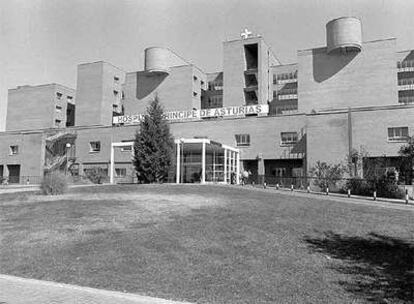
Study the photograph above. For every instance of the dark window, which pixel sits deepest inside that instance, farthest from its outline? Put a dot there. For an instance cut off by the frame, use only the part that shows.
(288, 138)
(242, 140)
(398, 134)
(14, 150)
(94, 146)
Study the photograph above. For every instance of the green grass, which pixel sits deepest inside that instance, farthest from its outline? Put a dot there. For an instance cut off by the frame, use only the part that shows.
(210, 244)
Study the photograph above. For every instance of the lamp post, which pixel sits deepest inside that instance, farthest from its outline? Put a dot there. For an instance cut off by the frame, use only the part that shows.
(68, 145)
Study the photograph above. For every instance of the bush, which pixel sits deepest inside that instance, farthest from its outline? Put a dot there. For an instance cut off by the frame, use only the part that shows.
(54, 183)
(386, 186)
(326, 175)
(96, 175)
(359, 186)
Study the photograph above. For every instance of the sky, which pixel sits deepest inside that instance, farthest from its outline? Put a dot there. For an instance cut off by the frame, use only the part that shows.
(43, 41)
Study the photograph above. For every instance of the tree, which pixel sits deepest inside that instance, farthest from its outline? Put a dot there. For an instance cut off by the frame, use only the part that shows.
(407, 154)
(326, 175)
(153, 146)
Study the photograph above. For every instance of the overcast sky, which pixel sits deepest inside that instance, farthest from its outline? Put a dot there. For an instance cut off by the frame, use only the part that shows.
(43, 41)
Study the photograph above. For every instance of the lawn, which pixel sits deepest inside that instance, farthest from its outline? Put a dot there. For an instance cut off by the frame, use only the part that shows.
(211, 244)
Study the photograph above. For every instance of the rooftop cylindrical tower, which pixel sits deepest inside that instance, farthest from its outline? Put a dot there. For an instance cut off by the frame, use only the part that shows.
(344, 34)
(157, 59)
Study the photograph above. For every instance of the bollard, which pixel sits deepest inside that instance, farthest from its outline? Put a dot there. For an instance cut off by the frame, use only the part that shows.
(308, 189)
(291, 187)
(349, 193)
(406, 195)
(375, 195)
(327, 190)
(264, 185)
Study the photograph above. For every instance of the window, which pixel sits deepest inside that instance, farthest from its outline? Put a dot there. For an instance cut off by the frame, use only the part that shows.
(195, 78)
(57, 122)
(274, 78)
(69, 98)
(114, 108)
(398, 134)
(288, 138)
(120, 172)
(94, 146)
(195, 94)
(242, 140)
(58, 109)
(127, 148)
(274, 94)
(14, 150)
(58, 95)
(116, 79)
(201, 82)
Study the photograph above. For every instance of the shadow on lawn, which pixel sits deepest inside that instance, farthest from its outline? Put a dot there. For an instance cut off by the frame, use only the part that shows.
(382, 267)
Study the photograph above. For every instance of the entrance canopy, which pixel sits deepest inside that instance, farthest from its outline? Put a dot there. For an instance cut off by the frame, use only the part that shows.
(203, 160)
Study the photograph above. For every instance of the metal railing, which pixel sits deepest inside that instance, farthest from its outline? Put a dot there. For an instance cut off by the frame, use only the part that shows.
(406, 99)
(406, 65)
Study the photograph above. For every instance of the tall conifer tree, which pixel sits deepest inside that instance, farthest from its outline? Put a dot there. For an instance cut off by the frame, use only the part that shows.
(153, 146)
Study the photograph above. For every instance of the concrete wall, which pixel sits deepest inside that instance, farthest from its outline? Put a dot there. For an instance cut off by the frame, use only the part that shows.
(174, 90)
(34, 107)
(233, 72)
(30, 154)
(333, 81)
(95, 93)
(328, 137)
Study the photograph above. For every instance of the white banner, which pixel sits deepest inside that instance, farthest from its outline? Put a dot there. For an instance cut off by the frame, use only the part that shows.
(198, 114)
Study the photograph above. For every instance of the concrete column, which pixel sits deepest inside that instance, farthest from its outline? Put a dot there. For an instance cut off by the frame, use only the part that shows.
(237, 167)
(177, 178)
(260, 169)
(225, 166)
(111, 166)
(203, 163)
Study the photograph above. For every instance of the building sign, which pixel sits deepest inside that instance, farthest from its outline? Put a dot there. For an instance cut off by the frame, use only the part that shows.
(198, 114)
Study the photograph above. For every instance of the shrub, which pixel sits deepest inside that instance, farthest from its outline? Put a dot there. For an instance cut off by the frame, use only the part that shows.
(54, 183)
(326, 175)
(386, 186)
(359, 186)
(96, 175)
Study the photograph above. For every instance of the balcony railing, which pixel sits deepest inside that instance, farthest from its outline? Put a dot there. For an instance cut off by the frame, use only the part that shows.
(407, 87)
(405, 66)
(406, 99)
(283, 81)
(405, 81)
(287, 94)
(287, 97)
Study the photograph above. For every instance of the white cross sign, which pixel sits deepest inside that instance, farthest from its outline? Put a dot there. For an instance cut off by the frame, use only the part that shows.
(246, 34)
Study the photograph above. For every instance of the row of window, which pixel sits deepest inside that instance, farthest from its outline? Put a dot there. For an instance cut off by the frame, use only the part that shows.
(405, 64)
(59, 97)
(287, 138)
(405, 81)
(285, 76)
(215, 86)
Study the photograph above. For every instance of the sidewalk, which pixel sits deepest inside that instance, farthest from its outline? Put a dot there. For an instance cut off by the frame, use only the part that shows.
(15, 290)
(343, 198)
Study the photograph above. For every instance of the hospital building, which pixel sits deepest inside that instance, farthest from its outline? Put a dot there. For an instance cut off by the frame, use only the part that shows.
(258, 113)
